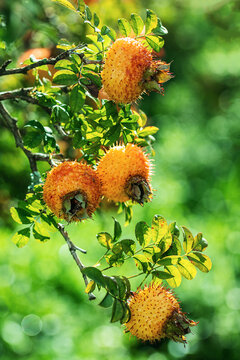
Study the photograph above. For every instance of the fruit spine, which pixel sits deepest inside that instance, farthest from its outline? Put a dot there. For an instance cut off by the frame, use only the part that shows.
(72, 191)
(155, 314)
(129, 70)
(124, 173)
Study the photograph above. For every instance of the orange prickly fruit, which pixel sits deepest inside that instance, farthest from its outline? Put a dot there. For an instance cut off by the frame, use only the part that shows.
(129, 71)
(124, 173)
(156, 314)
(72, 191)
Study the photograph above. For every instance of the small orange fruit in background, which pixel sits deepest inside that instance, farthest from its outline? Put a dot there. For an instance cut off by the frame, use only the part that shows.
(39, 54)
(124, 173)
(72, 191)
(156, 314)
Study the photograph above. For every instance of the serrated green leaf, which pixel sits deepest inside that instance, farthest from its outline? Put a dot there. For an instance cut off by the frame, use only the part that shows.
(188, 240)
(105, 239)
(136, 23)
(21, 238)
(77, 98)
(162, 274)
(155, 42)
(65, 77)
(124, 27)
(151, 21)
(201, 261)
(159, 228)
(90, 287)
(94, 274)
(117, 230)
(128, 246)
(21, 216)
(107, 301)
(175, 281)
(143, 233)
(187, 269)
(117, 311)
(149, 130)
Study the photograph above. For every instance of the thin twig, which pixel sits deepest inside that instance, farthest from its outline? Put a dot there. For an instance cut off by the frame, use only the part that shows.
(73, 250)
(45, 61)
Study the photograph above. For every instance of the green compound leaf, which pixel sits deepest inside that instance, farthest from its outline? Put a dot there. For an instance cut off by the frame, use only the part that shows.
(118, 311)
(77, 98)
(201, 261)
(159, 228)
(124, 27)
(128, 246)
(151, 21)
(21, 238)
(105, 239)
(137, 24)
(188, 240)
(95, 275)
(155, 42)
(21, 216)
(65, 77)
(117, 230)
(175, 281)
(149, 130)
(187, 269)
(143, 233)
(106, 301)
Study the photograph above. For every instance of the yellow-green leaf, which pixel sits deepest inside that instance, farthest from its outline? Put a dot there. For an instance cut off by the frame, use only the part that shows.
(66, 3)
(187, 269)
(159, 228)
(21, 238)
(201, 261)
(90, 287)
(177, 278)
(188, 240)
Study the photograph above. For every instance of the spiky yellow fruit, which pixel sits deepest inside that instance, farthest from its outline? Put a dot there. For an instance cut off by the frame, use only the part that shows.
(129, 71)
(124, 173)
(72, 191)
(155, 314)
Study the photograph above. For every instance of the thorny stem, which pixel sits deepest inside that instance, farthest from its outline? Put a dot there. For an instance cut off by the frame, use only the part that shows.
(73, 250)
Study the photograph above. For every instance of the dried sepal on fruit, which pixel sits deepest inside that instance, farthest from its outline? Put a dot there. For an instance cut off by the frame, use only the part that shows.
(124, 172)
(156, 314)
(130, 70)
(72, 191)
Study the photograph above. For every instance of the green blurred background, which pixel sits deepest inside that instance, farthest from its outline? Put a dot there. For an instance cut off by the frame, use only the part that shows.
(44, 313)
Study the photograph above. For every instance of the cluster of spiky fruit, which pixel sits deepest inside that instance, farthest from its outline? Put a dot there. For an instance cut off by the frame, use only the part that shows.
(156, 314)
(130, 70)
(72, 190)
